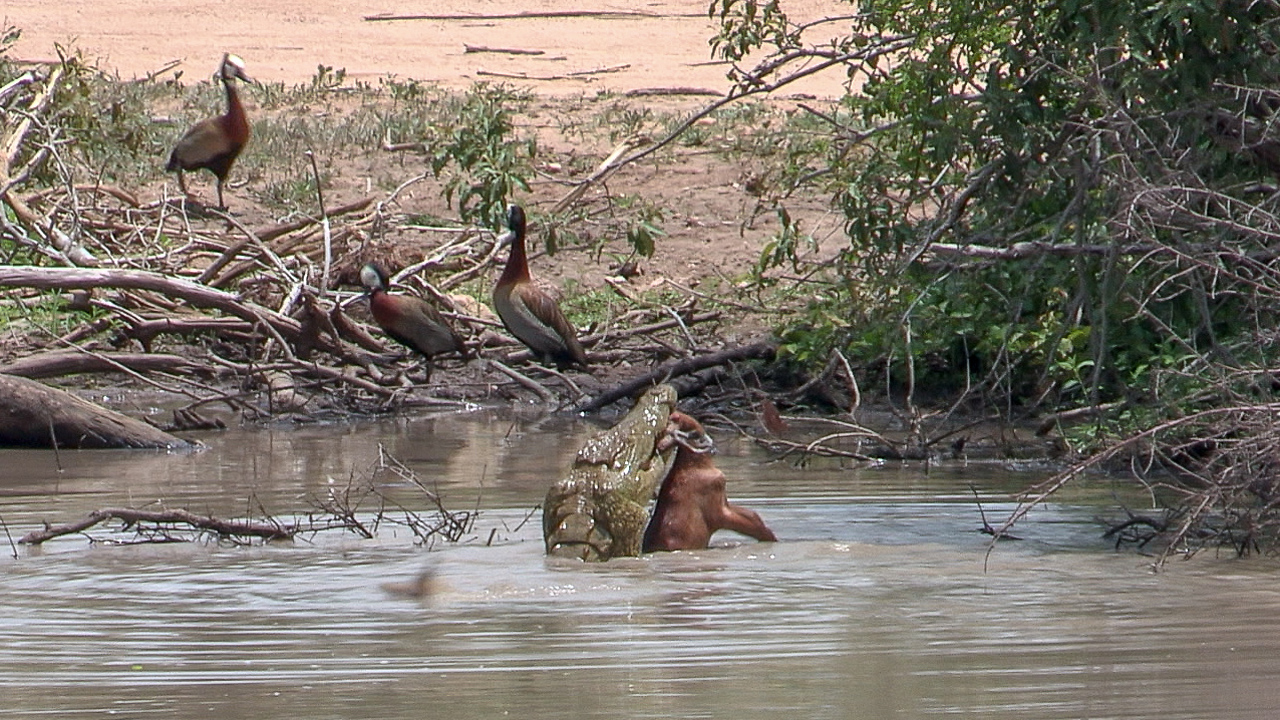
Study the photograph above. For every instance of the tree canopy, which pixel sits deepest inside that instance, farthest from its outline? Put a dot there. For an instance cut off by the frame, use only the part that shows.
(1050, 206)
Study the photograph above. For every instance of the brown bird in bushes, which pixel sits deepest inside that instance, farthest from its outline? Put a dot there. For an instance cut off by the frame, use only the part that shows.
(529, 313)
(409, 321)
(215, 143)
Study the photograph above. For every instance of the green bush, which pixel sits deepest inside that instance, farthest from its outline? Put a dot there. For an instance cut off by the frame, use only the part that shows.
(1059, 195)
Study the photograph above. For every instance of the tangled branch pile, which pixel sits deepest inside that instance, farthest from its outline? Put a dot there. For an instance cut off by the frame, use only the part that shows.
(269, 311)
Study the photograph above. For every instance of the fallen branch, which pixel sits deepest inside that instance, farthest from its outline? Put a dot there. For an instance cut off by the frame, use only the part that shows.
(1038, 248)
(198, 295)
(70, 362)
(271, 232)
(354, 332)
(1066, 416)
(151, 76)
(418, 146)
(118, 193)
(528, 382)
(607, 167)
(812, 448)
(130, 516)
(763, 350)
(146, 331)
(37, 416)
(506, 51)
(663, 91)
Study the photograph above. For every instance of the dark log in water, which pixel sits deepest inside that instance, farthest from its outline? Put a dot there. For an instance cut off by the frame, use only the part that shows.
(37, 416)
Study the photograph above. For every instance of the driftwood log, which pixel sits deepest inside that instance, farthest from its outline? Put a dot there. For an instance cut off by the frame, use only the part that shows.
(37, 416)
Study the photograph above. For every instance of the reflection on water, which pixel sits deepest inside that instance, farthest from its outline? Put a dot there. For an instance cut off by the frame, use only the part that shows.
(876, 603)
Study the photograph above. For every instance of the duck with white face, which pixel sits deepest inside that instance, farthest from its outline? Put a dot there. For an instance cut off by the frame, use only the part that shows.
(215, 143)
(408, 320)
(527, 312)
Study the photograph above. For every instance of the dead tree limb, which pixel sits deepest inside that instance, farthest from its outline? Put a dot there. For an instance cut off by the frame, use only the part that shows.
(271, 232)
(267, 234)
(198, 295)
(505, 51)
(666, 91)
(526, 381)
(130, 517)
(607, 167)
(762, 350)
(1038, 248)
(790, 446)
(37, 416)
(146, 331)
(118, 193)
(1066, 416)
(70, 362)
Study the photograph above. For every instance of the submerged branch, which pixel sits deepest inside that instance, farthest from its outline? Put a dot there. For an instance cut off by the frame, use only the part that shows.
(131, 517)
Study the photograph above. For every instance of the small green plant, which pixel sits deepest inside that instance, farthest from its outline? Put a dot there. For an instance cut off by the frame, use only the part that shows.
(641, 220)
(784, 247)
(327, 78)
(483, 164)
(588, 308)
(323, 85)
(405, 91)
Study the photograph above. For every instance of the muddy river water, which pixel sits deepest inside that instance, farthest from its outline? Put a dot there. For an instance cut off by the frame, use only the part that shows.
(875, 603)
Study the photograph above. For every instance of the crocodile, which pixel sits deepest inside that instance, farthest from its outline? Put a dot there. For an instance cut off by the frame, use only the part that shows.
(601, 508)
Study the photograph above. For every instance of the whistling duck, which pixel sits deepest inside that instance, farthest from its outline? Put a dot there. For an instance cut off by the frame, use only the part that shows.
(213, 144)
(409, 320)
(529, 313)
(692, 503)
